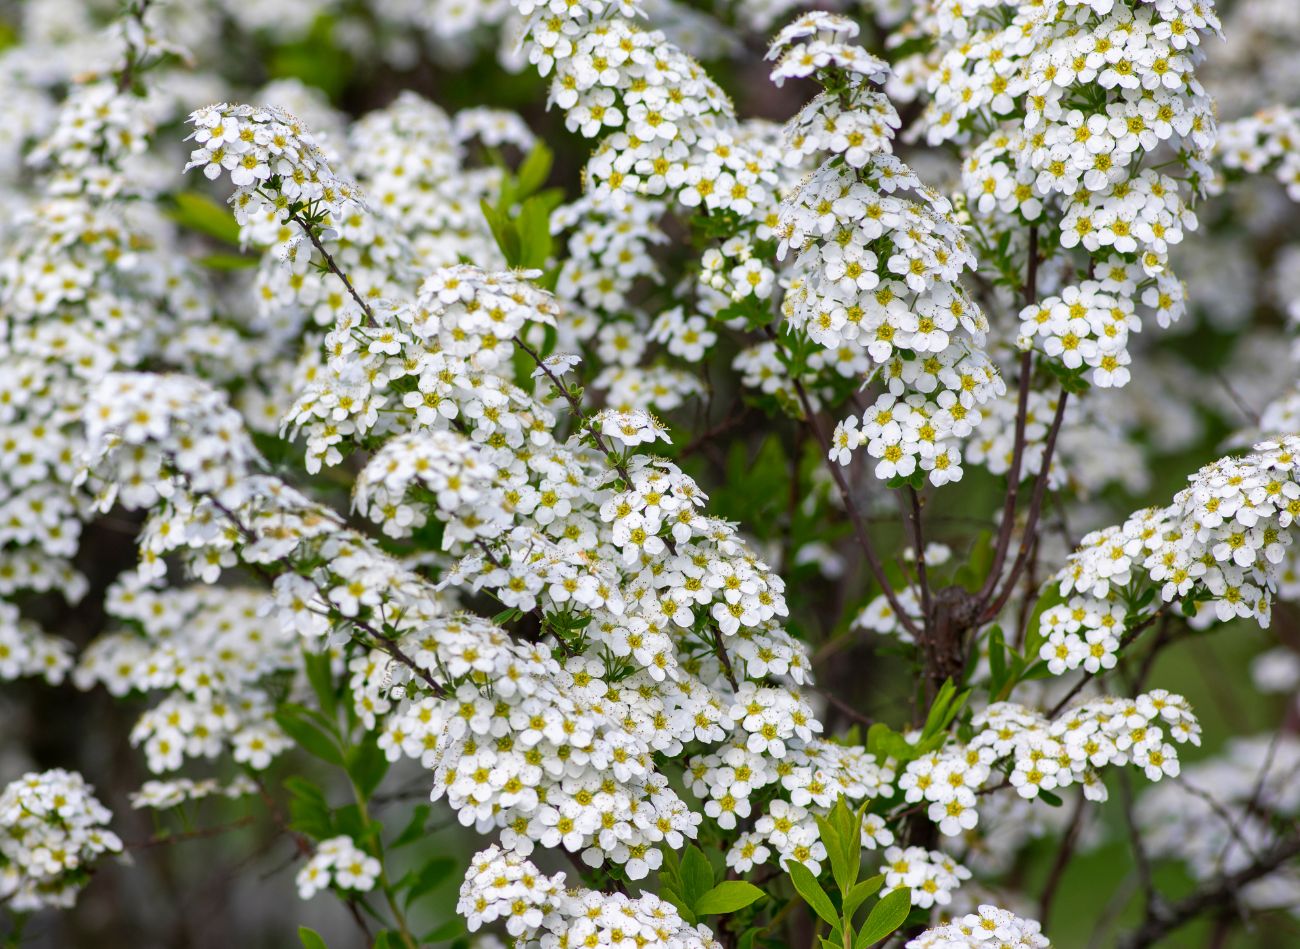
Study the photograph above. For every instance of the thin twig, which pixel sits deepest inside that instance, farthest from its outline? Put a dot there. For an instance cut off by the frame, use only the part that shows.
(1063, 856)
(1035, 508)
(1160, 921)
(846, 495)
(1029, 295)
(1008, 522)
(918, 545)
(333, 267)
(202, 833)
(1087, 677)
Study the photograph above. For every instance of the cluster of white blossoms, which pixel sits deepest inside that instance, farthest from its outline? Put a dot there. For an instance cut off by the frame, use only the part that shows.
(876, 269)
(540, 911)
(52, 830)
(652, 612)
(1082, 123)
(1083, 327)
(669, 138)
(280, 174)
(339, 863)
(212, 653)
(987, 928)
(1220, 546)
(930, 876)
(641, 638)
(1268, 141)
(1034, 754)
(88, 284)
(161, 795)
(1226, 811)
(810, 777)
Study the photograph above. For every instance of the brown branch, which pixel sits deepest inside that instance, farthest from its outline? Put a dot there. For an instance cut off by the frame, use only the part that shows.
(1029, 294)
(1013, 482)
(846, 494)
(200, 834)
(1035, 509)
(918, 545)
(1161, 920)
(332, 266)
(1063, 856)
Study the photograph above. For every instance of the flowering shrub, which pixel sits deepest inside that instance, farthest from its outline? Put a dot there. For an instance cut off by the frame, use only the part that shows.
(733, 530)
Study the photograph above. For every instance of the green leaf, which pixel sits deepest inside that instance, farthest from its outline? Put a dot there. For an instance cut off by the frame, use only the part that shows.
(807, 886)
(697, 875)
(503, 230)
(1050, 597)
(433, 873)
(310, 939)
(727, 897)
(308, 811)
(997, 659)
(452, 927)
(197, 212)
(683, 908)
(308, 736)
(861, 892)
(321, 677)
(533, 171)
(534, 229)
(1050, 799)
(367, 764)
(972, 572)
(414, 829)
(886, 916)
(228, 261)
(841, 832)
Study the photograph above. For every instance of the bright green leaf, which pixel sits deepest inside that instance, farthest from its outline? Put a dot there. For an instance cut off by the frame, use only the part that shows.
(433, 873)
(308, 736)
(197, 212)
(860, 892)
(310, 939)
(367, 764)
(697, 875)
(415, 827)
(886, 916)
(533, 171)
(727, 897)
(811, 891)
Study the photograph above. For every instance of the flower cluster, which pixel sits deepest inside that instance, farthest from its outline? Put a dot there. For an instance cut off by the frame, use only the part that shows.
(280, 173)
(642, 681)
(1060, 107)
(52, 829)
(88, 284)
(1221, 545)
(989, 926)
(1267, 141)
(931, 876)
(210, 650)
(338, 862)
(877, 270)
(539, 910)
(810, 776)
(161, 795)
(1036, 754)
